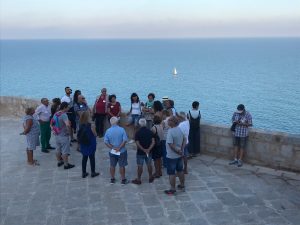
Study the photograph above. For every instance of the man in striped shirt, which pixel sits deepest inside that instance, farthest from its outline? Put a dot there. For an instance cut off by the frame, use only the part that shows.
(242, 120)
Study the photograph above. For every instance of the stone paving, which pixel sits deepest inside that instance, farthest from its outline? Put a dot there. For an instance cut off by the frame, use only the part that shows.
(215, 192)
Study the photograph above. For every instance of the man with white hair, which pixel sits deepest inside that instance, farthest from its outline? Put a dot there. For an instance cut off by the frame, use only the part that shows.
(184, 126)
(115, 139)
(43, 113)
(145, 141)
(175, 144)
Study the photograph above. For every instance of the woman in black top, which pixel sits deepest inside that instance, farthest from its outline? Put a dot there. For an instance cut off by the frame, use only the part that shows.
(194, 117)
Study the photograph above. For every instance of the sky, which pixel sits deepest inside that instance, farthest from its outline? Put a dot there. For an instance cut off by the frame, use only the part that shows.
(45, 19)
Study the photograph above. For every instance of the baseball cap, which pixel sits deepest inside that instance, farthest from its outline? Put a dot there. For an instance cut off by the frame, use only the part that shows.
(240, 108)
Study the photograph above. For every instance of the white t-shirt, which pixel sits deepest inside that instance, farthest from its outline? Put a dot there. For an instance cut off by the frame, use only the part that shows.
(185, 128)
(136, 108)
(43, 113)
(195, 113)
(66, 99)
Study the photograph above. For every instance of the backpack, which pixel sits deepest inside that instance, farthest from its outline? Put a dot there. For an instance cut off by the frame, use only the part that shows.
(194, 123)
(54, 123)
(82, 135)
(156, 138)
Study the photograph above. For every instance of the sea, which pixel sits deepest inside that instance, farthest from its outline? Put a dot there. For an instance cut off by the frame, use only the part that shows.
(261, 73)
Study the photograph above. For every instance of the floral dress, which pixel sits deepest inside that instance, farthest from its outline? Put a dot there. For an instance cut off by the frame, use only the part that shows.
(32, 137)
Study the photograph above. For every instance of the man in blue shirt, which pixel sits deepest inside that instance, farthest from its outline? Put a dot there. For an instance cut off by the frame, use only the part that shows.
(115, 138)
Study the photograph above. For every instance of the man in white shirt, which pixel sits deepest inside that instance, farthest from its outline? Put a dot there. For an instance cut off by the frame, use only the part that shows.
(43, 113)
(67, 98)
(71, 114)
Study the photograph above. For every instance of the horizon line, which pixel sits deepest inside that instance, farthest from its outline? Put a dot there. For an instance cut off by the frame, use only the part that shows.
(151, 38)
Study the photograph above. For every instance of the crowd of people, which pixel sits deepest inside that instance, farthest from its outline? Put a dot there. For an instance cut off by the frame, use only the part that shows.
(163, 136)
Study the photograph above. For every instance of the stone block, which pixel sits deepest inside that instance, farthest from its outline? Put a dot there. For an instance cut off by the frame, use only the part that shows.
(176, 217)
(225, 141)
(155, 212)
(212, 140)
(287, 151)
(293, 139)
(217, 131)
(189, 209)
(261, 147)
(229, 199)
(296, 148)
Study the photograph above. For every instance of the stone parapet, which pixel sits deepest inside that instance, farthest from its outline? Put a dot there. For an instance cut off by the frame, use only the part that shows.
(277, 150)
(15, 106)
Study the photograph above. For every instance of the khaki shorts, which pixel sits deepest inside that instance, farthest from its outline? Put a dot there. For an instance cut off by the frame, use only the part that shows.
(63, 144)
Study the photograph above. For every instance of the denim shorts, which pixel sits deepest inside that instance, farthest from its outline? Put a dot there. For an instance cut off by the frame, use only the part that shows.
(134, 119)
(174, 165)
(140, 159)
(240, 142)
(121, 159)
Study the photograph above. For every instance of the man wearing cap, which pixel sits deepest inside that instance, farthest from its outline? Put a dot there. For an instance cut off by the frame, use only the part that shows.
(165, 100)
(242, 120)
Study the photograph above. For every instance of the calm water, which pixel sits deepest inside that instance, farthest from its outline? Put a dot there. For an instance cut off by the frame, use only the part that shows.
(264, 74)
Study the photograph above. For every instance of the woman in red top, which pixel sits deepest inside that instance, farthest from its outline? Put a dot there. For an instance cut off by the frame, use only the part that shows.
(100, 109)
(113, 107)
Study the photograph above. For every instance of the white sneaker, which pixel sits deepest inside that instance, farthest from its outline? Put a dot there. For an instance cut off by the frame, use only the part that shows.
(131, 142)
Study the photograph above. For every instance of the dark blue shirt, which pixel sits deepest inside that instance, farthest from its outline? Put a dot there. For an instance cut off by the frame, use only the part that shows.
(144, 136)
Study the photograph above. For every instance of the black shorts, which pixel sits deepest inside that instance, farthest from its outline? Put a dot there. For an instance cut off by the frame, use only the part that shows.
(71, 117)
(157, 152)
(240, 142)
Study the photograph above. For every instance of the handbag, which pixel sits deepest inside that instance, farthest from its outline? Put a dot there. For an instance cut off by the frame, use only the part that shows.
(232, 128)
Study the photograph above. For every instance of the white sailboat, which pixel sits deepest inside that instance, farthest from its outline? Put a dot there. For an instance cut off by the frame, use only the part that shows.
(174, 72)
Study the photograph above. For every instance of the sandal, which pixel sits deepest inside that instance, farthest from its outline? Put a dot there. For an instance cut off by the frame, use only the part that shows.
(170, 192)
(151, 179)
(181, 187)
(35, 163)
(136, 181)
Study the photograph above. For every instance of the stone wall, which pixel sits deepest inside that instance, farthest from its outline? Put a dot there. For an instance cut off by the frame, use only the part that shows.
(277, 150)
(15, 106)
(266, 148)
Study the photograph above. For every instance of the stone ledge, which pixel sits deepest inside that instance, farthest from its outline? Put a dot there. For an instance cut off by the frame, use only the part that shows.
(277, 150)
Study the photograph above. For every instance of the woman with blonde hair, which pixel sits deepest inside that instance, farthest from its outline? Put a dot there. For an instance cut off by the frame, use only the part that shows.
(87, 139)
(32, 132)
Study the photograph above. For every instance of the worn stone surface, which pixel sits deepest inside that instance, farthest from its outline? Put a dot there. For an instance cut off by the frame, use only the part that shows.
(216, 193)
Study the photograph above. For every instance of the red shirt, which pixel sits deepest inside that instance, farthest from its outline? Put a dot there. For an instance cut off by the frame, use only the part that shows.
(114, 109)
(100, 105)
